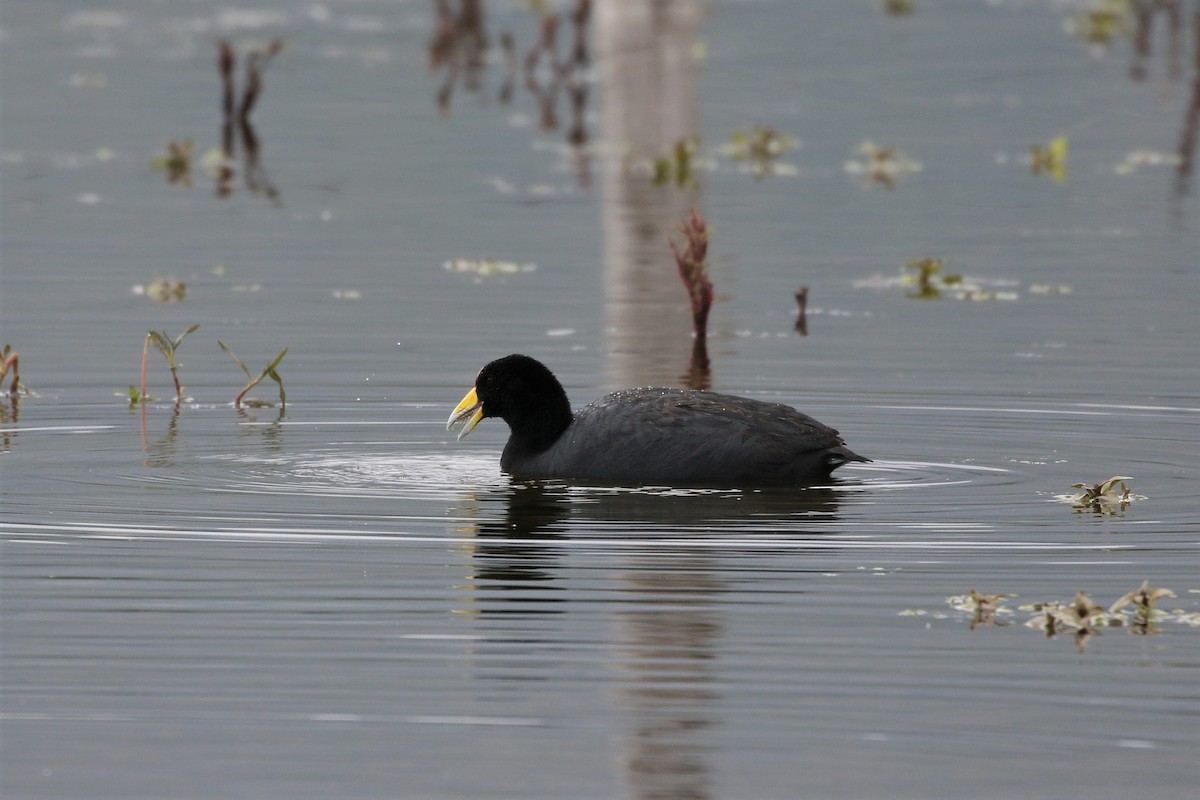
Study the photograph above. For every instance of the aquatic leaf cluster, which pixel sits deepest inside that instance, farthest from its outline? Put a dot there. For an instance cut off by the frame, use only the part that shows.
(882, 165)
(1101, 21)
(268, 371)
(677, 167)
(924, 279)
(1103, 497)
(169, 347)
(177, 163)
(1051, 159)
(760, 148)
(163, 290)
(1081, 616)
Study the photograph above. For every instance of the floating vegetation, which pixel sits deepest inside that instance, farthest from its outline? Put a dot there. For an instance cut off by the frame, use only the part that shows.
(759, 149)
(162, 290)
(177, 162)
(167, 346)
(1049, 288)
(882, 166)
(982, 607)
(1051, 159)
(269, 371)
(1136, 159)
(10, 361)
(1082, 617)
(485, 267)
(1142, 599)
(676, 168)
(923, 279)
(88, 80)
(1101, 21)
(898, 8)
(1102, 497)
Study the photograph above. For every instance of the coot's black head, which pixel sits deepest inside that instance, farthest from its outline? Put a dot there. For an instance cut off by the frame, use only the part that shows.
(524, 393)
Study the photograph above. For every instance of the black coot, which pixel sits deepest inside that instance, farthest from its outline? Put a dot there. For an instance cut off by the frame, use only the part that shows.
(641, 437)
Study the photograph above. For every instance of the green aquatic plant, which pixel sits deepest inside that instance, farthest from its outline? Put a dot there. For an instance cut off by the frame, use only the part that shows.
(1102, 21)
(1051, 159)
(760, 147)
(269, 371)
(164, 290)
(10, 360)
(1103, 497)
(926, 281)
(1082, 617)
(926, 272)
(168, 347)
(882, 165)
(1081, 613)
(677, 167)
(1143, 599)
(982, 607)
(177, 162)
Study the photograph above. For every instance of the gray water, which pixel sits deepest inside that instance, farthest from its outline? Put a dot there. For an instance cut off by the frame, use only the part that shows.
(338, 600)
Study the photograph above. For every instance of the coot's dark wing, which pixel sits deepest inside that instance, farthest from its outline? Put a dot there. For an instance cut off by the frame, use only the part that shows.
(681, 437)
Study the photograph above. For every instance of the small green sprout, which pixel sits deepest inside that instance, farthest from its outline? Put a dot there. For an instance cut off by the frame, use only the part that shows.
(1051, 159)
(167, 346)
(10, 360)
(268, 372)
(1103, 497)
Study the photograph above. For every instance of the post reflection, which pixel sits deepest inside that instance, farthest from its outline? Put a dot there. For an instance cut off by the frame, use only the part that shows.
(648, 83)
(1174, 30)
(665, 647)
(671, 640)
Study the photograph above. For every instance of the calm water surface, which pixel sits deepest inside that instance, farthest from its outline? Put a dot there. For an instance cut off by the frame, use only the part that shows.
(338, 600)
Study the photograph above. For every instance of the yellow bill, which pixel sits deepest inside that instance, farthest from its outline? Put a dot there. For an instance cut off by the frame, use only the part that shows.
(466, 414)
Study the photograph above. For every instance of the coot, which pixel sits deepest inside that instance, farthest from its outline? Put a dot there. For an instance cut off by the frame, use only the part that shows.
(659, 437)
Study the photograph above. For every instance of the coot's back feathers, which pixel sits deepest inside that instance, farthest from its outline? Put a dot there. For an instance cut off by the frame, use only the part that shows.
(664, 437)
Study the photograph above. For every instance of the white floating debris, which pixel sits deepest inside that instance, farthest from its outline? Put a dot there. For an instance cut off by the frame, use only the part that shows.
(487, 266)
(347, 294)
(1046, 288)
